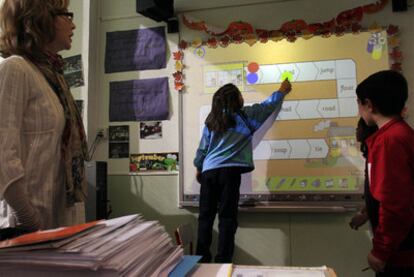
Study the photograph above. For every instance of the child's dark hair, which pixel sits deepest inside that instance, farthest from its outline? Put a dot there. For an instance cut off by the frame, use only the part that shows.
(363, 131)
(226, 102)
(387, 90)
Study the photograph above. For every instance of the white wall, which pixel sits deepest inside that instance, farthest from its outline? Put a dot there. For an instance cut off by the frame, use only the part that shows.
(116, 16)
(78, 7)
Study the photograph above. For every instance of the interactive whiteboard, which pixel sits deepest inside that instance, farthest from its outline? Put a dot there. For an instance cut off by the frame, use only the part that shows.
(308, 155)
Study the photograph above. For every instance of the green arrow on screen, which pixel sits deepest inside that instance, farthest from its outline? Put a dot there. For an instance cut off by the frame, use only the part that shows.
(287, 75)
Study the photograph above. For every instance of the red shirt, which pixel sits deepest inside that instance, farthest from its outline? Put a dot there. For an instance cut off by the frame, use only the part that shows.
(391, 178)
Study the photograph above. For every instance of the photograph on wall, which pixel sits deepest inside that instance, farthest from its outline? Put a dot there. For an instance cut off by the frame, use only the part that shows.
(118, 150)
(150, 130)
(118, 142)
(153, 162)
(73, 71)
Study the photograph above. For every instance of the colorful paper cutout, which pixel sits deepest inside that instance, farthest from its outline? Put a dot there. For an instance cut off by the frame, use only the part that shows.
(375, 45)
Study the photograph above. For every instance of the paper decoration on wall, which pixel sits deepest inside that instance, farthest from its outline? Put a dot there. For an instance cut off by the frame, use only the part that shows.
(376, 45)
(395, 53)
(150, 130)
(73, 71)
(237, 27)
(139, 49)
(139, 100)
(239, 32)
(153, 162)
(178, 75)
(197, 42)
(118, 142)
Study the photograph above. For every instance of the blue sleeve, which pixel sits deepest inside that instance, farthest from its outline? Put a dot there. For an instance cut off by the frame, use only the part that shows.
(202, 149)
(258, 113)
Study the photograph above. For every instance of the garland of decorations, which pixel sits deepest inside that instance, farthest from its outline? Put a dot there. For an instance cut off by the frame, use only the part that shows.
(179, 66)
(394, 52)
(238, 32)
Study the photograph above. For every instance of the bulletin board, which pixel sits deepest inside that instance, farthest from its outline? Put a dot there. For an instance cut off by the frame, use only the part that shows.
(307, 156)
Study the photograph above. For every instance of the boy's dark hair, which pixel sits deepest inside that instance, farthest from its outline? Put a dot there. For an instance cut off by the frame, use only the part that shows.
(226, 102)
(387, 90)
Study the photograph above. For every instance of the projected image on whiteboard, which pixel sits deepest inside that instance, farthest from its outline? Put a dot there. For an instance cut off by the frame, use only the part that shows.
(310, 147)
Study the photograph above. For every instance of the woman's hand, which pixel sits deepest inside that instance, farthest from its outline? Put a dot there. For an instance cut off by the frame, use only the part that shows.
(27, 216)
(285, 87)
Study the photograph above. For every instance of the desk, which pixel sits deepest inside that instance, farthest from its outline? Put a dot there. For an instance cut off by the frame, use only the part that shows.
(221, 270)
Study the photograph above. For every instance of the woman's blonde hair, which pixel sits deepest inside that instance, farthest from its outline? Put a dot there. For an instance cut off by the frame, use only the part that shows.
(27, 26)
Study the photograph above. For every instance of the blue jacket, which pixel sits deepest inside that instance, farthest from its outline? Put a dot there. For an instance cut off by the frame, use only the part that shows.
(233, 148)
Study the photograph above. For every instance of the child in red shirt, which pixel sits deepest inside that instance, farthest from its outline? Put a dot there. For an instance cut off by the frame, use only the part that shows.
(381, 100)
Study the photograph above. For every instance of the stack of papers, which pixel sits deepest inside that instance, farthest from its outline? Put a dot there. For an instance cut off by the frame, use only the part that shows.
(124, 246)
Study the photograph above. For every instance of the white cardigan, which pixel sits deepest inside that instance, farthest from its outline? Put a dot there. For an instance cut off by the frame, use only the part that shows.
(31, 126)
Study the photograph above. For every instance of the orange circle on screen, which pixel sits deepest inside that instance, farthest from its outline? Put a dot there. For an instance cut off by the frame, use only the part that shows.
(253, 67)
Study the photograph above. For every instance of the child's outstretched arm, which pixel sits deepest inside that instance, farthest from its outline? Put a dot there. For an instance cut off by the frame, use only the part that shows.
(258, 113)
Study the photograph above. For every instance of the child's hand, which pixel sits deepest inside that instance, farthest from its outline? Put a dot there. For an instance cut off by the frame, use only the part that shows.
(285, 87)
(358, 220)
(376, 264)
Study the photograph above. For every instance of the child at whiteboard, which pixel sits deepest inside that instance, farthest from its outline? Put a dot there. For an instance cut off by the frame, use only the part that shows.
(381, 100)
(224, 153)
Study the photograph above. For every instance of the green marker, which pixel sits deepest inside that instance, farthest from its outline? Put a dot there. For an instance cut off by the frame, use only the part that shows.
(287, 75)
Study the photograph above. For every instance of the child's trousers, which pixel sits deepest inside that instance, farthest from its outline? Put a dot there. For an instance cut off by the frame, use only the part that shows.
(219, 193)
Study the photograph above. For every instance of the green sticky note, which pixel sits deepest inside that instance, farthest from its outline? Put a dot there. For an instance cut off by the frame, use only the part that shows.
(287, 75)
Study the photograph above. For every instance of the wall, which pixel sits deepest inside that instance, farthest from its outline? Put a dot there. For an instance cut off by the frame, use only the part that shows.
(262, 238)
(80, 45)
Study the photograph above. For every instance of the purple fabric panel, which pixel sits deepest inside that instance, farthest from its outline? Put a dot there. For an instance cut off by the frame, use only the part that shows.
(139, 100)
(135, 50)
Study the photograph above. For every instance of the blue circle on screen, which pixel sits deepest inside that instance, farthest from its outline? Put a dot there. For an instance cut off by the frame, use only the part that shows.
(252, 78)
